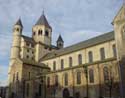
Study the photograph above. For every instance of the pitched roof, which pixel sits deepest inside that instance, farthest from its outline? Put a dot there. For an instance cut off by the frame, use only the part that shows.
(88, 43)
(43, 21)
(28, 39)
(19, 22)
(60, 38)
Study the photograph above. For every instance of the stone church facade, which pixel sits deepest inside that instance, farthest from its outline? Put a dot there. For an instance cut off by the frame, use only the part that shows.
(90, 69)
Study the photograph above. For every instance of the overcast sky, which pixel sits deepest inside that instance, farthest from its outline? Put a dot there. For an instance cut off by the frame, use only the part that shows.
(75, 20)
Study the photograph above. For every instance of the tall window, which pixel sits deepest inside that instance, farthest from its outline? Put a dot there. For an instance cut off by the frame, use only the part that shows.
(56, 80)
(102, 53)
(106, 74)
(114, 50)
(46, 33)
(27, 89)
(78, 77)
(91, 76)
(54, 66)
(13, 77)
(66, 79)
(79, 59)
(40, 89)
(17, 75)
(62, 63)
(90, 54)
(29, 75)
(48, 81)
(70, 61)
(40, 32)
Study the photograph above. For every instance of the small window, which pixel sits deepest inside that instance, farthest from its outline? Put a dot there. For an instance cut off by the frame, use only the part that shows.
(91, 76)
(62, 64)
(70, 61)
(78, 77)
(106, 74)
(17, 29)
(54, 66)
(79, 59)
(34, 33)
(102, 53)
(56, 80)
(27, 56)
(28, 50)
(46, 33)
(90, 54)
(114, 50)
(66, 79)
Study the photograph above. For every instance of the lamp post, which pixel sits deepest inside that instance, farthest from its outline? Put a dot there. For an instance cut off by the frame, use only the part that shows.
(86, 75)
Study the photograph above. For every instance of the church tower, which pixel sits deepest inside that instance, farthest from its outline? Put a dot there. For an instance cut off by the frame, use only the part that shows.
(119, 28)
(17, 32)
(60, 42)
(42, 31)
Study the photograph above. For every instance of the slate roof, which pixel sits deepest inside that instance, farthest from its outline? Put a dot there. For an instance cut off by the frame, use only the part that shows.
(19, 22)
(28, 39)
(43, 21)
(88, 43)
(60, 38)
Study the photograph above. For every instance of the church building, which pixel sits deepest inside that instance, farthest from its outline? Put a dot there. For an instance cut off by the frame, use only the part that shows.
(94, 68)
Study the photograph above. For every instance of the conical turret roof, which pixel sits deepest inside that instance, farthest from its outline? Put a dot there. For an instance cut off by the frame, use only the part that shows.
(19, 22)
(43, 21)
(60, 38)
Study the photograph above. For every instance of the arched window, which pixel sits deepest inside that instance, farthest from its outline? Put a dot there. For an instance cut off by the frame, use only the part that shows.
(91, 76)
(62, 63)
(17, 76)
(70, 61)
(123, 32)
(27, 89)
(48, 81)
(90, 54)
(79, 59)
(56, 80)
(78, 77)
(39, 32)
(114, 50)
(29, 75)
(34, 33)
(106, 74)
(66, 79)
(54, 66)
(13, 77)
(40, 89)
(102, 53)
(46, 33)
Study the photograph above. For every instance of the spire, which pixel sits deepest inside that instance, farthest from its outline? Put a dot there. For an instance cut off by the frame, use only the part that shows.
(19, 22)
(60, 39)
(43, 21)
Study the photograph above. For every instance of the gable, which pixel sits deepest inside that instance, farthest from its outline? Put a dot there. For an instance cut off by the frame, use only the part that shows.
(120, 15)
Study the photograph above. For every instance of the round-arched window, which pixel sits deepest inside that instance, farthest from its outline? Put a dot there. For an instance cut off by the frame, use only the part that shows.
(123, 32)
(46, 33)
